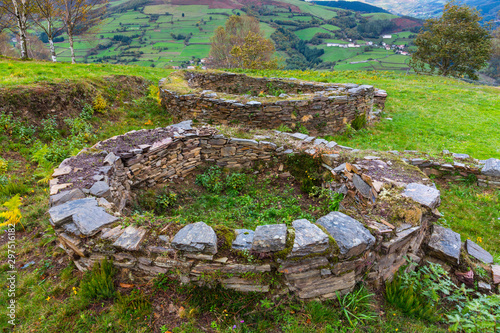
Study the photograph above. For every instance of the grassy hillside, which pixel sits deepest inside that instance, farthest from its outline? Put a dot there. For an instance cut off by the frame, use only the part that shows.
(173, 33)
(428, 114)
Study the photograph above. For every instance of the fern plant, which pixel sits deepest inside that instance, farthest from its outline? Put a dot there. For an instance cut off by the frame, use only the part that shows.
(98, 283)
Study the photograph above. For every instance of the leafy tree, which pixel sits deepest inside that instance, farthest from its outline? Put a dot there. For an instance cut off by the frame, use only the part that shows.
(455, 44)
(242, 44)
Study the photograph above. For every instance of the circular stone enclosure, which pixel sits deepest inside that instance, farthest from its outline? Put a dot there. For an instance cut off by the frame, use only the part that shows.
(313, 259)
(268, 103)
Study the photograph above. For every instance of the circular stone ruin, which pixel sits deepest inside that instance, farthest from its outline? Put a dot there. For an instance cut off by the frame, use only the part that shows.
(268, 103)
(386, 216)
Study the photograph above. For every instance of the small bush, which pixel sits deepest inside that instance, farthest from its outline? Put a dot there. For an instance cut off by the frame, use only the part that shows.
(306, 169)
(98, 284)
(99, 104)
(3, 166)
(165, 200)
(211, 180)
(136, 305)
(48, 129)
(14, 187)
(87, 112)
(235, 182)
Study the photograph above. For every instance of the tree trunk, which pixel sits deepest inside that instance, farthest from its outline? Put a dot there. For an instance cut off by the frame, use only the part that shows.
(70, 36)
(52, 50)
(20, 13)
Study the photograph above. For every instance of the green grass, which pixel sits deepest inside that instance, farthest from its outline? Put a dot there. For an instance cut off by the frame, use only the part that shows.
(15, 72)
(307, 34)
(429, 113)
(473, 213)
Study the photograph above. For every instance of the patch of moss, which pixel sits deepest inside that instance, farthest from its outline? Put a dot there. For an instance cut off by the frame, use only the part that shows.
(359, 122)
(225, 237)
(290, 239)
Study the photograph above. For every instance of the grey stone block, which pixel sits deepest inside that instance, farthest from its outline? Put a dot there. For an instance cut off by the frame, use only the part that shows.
(491, 167)
(362, 186)
(92, 220)
(445, 244)
(131, 238)
(63, 213)
(65, 196)
(196, 237)
(309, 239)
(425, 195)
(100, 189)
(350, 235)
(244, 239)
(269, 238)
(185, 125)
(478, 252)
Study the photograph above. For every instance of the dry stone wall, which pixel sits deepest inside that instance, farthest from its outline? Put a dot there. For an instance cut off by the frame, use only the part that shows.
(314, 259)
(322, 108)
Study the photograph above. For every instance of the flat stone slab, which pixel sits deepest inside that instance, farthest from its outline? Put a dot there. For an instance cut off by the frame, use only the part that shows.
(491, 167)
(65, 196)
(112, 234)
(269, 238)
(351, 236)
(63, 213)
(478, 252)
(362, 186)
(445, 244)
(424, 195)
(131, 238)
(244, 239)
(100, 189)
(92, 220)
(299, 136)
(460, 156)
(309, 239)
(196, 237)
(185, 125)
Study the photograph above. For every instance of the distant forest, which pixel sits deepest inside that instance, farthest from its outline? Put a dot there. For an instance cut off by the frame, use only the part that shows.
(352, 5)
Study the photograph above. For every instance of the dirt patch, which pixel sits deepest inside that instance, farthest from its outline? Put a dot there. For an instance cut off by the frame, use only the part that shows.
(31, 104)
(403, 24)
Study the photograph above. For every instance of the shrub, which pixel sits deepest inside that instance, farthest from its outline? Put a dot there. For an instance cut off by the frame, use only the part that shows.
(211, 180)
(99, 104)
(98, 283)
(87, 112)
(48, 129)
(306, 169)
(3, 166)
(235, 182)
(165, 200)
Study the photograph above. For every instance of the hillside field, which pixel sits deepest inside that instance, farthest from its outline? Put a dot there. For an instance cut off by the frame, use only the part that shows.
(165, 34)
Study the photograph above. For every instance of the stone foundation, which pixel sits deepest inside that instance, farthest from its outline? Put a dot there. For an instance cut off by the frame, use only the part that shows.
(322, 108)
(314, 259)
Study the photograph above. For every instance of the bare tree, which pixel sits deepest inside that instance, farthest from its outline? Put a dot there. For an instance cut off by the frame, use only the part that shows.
(16, 13)
(80, 16)
(46, 15)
